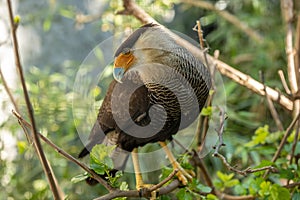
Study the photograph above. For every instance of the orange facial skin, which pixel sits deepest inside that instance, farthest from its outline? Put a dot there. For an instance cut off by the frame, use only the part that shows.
(124, 60)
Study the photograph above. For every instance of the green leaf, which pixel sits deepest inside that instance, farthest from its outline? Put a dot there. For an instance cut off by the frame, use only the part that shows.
(263, 163)
(207, 111)
(291, 138)
(184, 161)
(196, 186)
(165, 172)
(100, 161)
(265, 188)
(283, 193)
(260, 136)
(224, 177)
(232, 183)
(79, 178)
(296, 196)
(22, 146)
(287, 174)
(17, 19)
(165, 197)
(47, 24)
(183, 194)
(67, 13)
(240, 190)
(98, 168)
(211, 197)
(100, 154)
(124, 186)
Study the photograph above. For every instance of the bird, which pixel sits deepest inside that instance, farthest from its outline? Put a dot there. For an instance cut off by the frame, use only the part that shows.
(159, 88)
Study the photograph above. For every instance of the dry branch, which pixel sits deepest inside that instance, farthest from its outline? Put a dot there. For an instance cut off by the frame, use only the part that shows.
(293, 70)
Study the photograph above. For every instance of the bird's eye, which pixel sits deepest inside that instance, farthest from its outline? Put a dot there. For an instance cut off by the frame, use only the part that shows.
(126, 51)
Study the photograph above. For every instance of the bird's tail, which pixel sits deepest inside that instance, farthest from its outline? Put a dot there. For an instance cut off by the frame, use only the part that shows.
(118, 156)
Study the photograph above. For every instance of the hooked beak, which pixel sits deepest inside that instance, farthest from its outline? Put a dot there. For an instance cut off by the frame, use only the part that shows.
(118, 73)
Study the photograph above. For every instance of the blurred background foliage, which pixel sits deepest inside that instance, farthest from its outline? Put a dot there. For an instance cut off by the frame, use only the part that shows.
(54, 43)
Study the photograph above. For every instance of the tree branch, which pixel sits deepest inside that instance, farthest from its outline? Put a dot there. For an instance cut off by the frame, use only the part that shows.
(95, 176)
(131, 8)
(57, 194)
(135, 193)
(293, 70)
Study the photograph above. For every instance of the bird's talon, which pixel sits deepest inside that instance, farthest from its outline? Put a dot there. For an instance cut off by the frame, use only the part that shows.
(144, 191)
(185, 176)
(182, 178)
(191, 172)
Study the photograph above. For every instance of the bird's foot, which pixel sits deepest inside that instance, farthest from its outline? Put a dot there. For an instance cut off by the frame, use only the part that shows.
(145, 191)
(184, 176)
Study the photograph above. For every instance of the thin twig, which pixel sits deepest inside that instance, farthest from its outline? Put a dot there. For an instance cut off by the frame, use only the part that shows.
(283, 140)
(246, 171)
(292, 185)
(203, 122)
(47, 169)
(286, 135)
(8, 91)
(208, 180)
(135, 193)
(283, 81)
(227, 16)
(95, 176)
(220, 131)
(271, 106)
(160, 184)
(295, 143)
(84, 19)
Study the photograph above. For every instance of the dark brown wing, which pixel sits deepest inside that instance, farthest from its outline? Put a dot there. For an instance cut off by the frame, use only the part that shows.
(117, 94)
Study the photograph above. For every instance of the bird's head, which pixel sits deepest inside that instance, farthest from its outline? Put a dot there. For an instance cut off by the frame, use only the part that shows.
(123, 61)
(131, 50)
